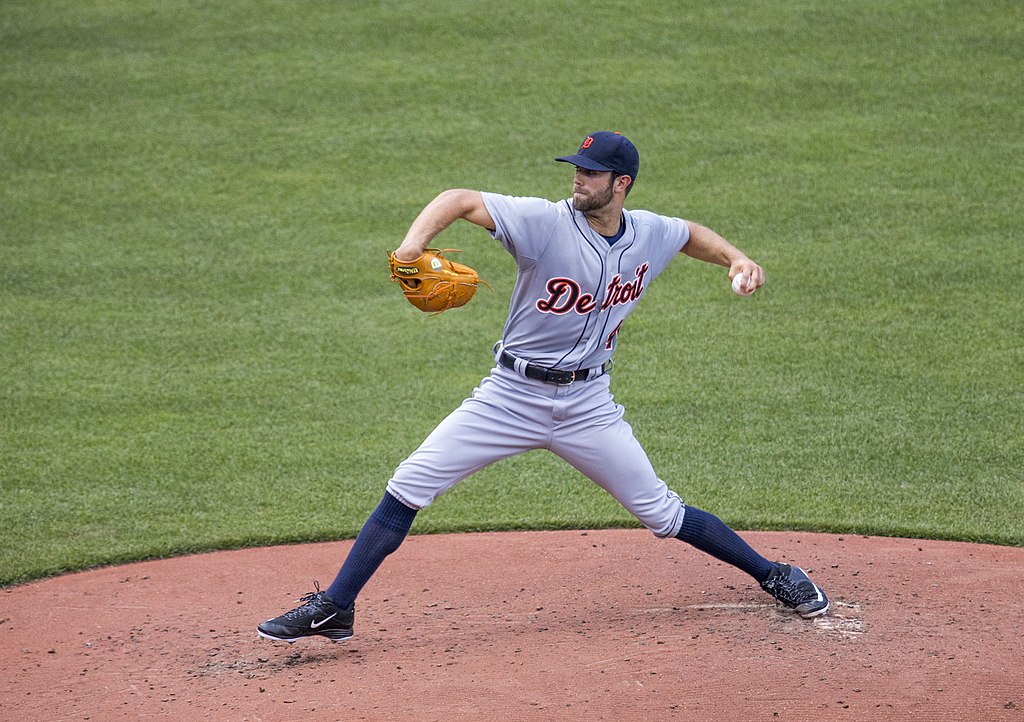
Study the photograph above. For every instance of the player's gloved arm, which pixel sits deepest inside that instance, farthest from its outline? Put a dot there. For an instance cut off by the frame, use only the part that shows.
(706, 245)
(445, 209)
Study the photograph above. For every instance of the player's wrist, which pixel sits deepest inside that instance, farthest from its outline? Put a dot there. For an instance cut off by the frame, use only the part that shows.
(407, 252)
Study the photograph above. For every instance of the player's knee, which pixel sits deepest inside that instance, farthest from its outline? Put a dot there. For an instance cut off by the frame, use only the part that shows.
(667, 523)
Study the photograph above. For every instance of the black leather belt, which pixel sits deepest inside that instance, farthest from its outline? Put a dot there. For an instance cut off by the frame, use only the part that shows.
(553, 376)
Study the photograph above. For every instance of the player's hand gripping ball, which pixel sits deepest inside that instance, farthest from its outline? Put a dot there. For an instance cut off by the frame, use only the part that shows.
(432, 283)
(739, 285)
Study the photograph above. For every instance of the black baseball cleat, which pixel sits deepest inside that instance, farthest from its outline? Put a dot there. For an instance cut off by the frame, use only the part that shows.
(318, 616)
(791, 586)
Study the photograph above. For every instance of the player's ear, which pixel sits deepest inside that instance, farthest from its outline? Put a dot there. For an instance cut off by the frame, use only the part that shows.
(623, 182)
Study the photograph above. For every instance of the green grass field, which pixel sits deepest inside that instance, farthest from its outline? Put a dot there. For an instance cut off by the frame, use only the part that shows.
(200, 349)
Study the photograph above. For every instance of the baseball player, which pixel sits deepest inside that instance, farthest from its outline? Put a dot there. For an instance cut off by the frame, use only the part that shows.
(583, 264)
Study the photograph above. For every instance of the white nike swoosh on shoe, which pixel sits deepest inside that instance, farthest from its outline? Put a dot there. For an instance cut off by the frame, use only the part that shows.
(322, 622)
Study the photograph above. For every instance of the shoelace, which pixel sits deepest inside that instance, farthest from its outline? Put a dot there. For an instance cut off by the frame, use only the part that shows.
(311, 599)
(788, 590)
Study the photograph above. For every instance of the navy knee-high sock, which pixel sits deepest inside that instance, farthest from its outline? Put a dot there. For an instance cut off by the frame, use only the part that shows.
(711, 535)
(382, 534)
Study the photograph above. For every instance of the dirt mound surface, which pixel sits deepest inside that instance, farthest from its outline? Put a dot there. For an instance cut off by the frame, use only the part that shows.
(596, 625)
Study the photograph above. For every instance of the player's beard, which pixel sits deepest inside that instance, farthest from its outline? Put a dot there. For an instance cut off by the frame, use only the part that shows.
(594, 202)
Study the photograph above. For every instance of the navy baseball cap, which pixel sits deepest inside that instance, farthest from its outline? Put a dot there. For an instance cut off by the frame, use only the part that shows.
(606, 151)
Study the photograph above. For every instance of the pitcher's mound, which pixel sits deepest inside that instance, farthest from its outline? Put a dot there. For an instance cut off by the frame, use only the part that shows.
(599, 625)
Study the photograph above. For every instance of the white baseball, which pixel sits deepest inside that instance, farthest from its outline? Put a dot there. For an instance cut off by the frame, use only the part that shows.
(739, 285)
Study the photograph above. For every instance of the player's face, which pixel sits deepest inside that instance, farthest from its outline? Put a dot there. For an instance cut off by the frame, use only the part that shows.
(591, 189)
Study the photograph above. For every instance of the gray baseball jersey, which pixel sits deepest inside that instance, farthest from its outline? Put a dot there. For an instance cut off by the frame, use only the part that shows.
(573, 290)
(572, 293)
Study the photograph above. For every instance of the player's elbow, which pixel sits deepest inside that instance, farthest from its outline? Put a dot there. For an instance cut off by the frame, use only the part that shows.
(468, 205)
